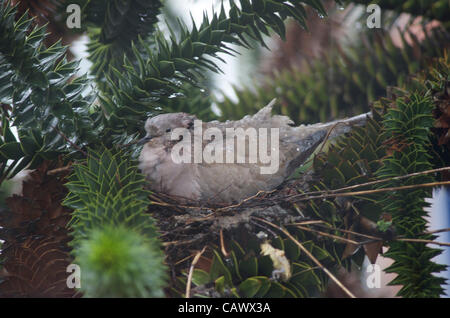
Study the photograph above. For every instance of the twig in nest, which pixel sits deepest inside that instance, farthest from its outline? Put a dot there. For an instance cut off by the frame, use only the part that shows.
(437, 231)
(183, 260)
(306, 197)
(323, 194)
(222, 245)
(245, 200)
(191, 272)
(390, 179)
(337, 237)
(59, 170)
(374, 238)
(312, 195)
(327, 136)
(264, 227)
(376, 182)
(315, 260)
(308, 222)
(422, 241)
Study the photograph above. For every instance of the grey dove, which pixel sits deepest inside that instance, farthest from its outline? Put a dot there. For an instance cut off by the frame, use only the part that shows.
(228, 182)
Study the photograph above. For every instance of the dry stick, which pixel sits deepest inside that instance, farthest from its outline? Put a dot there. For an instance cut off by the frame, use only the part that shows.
(327, 136)
(423, 241)
(306, 196)
(179, 242)
(308, 222)
(437, 231)
(323, 142)
(59, 170)
(326, 193)
(380, 181)
(218, 192)
(222, 245)
(352, 232)
(183, 260)
(245, 200)
(349, 194)
(374, 238)
(191, 271)
(337, 237)
(166, 204)
(371, 183)
(348, 292)
(393, 178)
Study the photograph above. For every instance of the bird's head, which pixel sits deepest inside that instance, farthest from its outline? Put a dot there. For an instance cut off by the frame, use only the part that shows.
(164, 124)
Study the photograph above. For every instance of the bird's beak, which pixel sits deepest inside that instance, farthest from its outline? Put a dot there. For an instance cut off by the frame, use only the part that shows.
(144, 140)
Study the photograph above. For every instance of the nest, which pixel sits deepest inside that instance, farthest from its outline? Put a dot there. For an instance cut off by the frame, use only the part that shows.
(188, 227)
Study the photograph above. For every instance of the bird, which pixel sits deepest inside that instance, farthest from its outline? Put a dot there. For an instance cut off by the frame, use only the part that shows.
(230, 181)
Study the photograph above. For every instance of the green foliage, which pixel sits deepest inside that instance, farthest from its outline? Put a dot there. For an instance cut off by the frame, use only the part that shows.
(136, 75)
(48, 107)
(163, 66)
(407, 125)
(383, 226)
(193, 100)
(108, 190)
(248, 273)
(141, 72)
(391, 144)
(352, 160)
(37, 81)
(113, 26)
(118, 262)
(10, 149)
(115, 240)
(343, 82)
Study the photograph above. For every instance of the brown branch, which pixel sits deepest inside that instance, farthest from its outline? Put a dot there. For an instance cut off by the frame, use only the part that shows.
(349, 194)
(59, 170)
(245, 200)
(183, 260)
(389, 179)
(222, 245)
(327, 136)
(323, 194)
(337, 237)
(423, 241)
(191, 271)
(374, 238)
(437, 231)
(308, 222)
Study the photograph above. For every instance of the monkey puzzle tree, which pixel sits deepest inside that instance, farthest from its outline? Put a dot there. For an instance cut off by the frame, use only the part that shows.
(85, 201)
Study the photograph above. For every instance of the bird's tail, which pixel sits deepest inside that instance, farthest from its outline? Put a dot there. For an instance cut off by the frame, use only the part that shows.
(342, 126)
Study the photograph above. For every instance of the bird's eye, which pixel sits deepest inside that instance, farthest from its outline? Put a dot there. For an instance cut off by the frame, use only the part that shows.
(168, 130)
